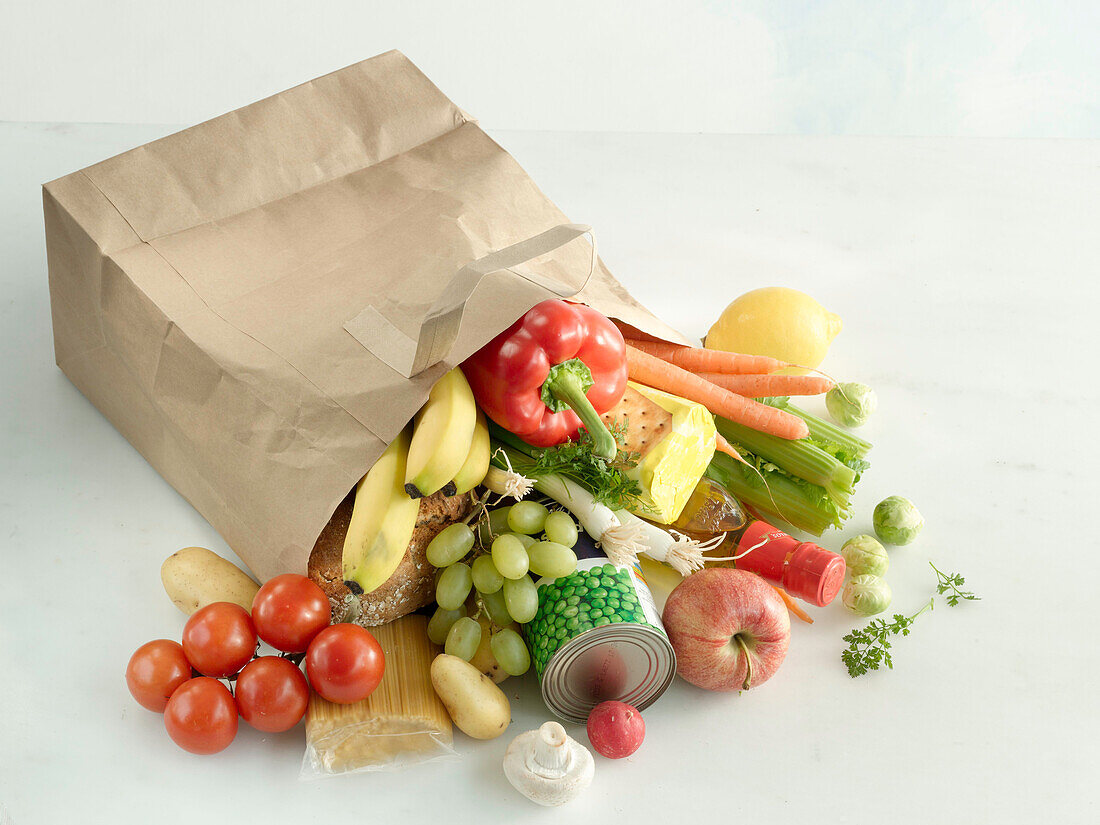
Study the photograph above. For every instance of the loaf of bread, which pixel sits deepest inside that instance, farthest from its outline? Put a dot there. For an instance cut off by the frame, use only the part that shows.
(412, 584)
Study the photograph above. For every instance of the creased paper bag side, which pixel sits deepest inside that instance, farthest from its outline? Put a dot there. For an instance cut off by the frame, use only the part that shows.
(207, 322)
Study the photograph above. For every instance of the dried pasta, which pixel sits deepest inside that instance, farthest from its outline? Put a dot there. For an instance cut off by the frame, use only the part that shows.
(401, 723)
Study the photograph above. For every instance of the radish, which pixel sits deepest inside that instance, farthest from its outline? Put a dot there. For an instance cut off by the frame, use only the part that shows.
(615, 729)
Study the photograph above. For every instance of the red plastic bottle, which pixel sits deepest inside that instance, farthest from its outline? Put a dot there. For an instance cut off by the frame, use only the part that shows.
(805, 570)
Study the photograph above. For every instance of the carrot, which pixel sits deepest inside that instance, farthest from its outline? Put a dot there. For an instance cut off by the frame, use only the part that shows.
(758, 386)
(793, 606)
(723, 446)
(697, 359)
(651, 371)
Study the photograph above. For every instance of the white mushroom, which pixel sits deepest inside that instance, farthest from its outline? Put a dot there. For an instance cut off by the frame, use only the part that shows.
(548, 767)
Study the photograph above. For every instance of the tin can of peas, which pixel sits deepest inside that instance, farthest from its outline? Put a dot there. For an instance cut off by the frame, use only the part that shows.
(597, 636)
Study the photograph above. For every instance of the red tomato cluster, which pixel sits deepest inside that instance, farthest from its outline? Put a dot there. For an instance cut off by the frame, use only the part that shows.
(290, 613)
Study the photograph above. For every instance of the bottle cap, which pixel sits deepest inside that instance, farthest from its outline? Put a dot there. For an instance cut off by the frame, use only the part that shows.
(814, 574)
(805, 570)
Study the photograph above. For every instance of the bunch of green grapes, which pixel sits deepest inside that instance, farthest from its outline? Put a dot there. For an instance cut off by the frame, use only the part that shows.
(498, 572)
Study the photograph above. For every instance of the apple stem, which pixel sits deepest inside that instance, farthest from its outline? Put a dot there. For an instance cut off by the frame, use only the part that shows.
(748, 661)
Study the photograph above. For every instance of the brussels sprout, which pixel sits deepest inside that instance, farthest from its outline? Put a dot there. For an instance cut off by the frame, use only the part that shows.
(864, 556)
(897, 520)
(866, 595)
(851, 404)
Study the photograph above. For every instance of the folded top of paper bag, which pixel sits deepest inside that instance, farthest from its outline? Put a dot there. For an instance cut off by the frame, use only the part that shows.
(203, 287)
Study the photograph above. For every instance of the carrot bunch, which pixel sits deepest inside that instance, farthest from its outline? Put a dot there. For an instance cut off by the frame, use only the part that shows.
(726, 383)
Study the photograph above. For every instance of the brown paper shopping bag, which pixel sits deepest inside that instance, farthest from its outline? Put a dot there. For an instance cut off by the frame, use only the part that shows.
(259, 303)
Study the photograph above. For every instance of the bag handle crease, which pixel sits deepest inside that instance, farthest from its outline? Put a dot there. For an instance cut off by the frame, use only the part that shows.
(379, 329)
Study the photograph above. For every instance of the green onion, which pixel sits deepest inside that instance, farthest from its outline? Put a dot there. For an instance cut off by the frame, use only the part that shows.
(577, 461)
(512, 440)
(620, 543)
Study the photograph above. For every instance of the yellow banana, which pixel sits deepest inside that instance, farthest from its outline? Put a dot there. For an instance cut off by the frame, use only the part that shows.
(473, 470)
(442, 435)
(382, 520)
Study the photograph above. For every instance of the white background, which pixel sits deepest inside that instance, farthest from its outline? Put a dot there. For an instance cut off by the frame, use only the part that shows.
(965, 274)
(965, 271)
(1027, 68)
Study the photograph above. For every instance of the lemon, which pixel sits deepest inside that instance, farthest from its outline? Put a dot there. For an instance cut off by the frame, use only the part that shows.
(779, 322)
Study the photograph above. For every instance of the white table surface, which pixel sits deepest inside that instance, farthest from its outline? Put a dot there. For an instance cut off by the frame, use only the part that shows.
(965, 271)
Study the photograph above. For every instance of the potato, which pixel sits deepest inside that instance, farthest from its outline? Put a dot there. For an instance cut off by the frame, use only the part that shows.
(483, 659)
(195, 577)
(476, 705)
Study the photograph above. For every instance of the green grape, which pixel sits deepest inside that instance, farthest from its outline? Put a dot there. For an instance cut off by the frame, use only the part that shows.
(487, 578)
(525, 540)
(453, 586)
(552, 560)
(496, 607)
(463, 638)
(450, 545)
(510, 652)
(510, 557)
(522, 599)
(441, 622)
(494, 525)
(561, 529)
(527, 517)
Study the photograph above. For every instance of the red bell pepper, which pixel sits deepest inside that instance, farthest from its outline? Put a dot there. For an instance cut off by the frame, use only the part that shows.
(559, 366)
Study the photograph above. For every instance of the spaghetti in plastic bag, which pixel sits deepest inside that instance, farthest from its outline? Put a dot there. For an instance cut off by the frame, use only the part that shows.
(401, 723)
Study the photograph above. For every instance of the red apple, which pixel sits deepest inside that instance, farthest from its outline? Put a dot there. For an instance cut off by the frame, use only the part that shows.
(729, 628)
(615, 729)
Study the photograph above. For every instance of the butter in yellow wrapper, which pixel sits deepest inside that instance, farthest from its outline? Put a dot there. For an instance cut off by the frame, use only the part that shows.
(673, 461)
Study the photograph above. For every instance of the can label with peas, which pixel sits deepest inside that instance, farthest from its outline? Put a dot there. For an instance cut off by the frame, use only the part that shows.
(597, 636)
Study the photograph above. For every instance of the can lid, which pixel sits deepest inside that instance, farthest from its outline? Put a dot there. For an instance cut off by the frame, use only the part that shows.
(633, 663)
(814, 574)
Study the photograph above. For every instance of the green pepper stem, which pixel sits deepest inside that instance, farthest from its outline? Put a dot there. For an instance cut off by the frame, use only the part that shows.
(566, 383)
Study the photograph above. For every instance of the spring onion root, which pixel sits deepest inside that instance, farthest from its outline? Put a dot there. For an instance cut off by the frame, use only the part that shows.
(619, 543)
(507, 483)
(682, 553)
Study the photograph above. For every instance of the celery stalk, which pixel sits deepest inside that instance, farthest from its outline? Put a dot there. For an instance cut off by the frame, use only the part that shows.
(799, 503)
(800, 458)
(823, 431)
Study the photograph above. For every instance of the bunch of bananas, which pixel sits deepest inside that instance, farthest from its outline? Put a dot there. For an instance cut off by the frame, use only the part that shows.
(446, 449)
(450, 442)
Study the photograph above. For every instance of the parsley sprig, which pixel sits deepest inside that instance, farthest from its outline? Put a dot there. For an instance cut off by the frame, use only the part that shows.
(869, 648)
(577, 461)
(952, 583)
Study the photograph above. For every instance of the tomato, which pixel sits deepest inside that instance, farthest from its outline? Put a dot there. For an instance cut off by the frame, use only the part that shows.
(272, 694)
(219, 639)
(345, 663)
(155, 670)
(201, 716)
(289, 611)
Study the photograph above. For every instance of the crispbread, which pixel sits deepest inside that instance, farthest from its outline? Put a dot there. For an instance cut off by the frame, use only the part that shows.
(646, 423)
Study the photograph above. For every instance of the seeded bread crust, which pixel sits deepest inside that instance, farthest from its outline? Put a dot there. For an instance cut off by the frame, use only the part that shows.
(412, 584)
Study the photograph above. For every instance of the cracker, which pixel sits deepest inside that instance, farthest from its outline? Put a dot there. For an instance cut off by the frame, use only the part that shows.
(646, 423)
